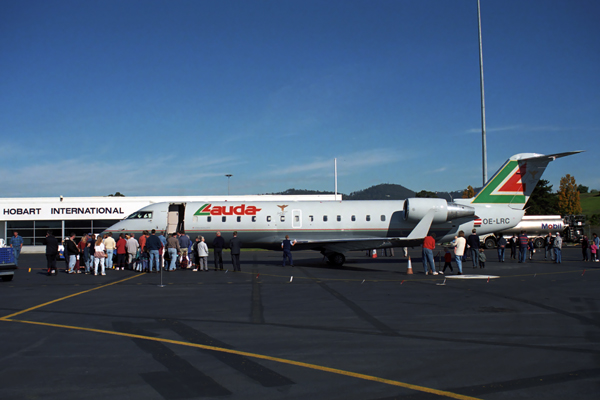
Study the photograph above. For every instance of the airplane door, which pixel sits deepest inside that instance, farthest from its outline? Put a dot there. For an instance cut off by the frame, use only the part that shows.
(296, 218)
(175, 218)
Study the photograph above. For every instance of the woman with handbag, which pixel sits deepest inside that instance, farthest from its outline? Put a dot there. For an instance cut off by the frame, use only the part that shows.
(99, 256)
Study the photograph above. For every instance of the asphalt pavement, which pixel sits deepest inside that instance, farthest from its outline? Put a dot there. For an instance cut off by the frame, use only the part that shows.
(364, 331)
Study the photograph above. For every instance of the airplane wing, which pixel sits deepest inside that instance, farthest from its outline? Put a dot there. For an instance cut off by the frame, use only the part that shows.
(415, 238)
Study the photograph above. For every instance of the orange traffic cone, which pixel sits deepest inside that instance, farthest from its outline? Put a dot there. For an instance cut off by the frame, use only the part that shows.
(374, 254)
(409, 269)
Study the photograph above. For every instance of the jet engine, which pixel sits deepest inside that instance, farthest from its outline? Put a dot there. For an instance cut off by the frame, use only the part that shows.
(416, 208)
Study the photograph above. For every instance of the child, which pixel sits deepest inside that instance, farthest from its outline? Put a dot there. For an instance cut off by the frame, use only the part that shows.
(531, 248)
(594, 250)
(447, 260)
(482, 258)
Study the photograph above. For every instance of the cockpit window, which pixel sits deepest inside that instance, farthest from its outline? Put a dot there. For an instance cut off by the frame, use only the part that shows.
(141, 215)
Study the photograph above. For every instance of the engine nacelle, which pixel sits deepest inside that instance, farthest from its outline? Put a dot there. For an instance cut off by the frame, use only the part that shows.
(416, 208)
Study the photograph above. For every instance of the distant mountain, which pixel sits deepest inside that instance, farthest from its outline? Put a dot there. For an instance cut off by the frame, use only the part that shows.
(383, 191)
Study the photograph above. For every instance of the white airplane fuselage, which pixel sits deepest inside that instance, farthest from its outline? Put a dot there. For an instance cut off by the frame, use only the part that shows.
(265, 224)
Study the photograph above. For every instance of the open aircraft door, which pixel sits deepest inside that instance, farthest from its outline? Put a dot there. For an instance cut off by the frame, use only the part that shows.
(175, 218)
(296, 219)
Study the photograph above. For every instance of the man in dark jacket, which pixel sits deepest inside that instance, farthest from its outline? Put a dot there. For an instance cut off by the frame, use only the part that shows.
(51, 253)
(501, 243)
(218, 244)
(235, 244)
(73, 251)
(153, 244)
(473, 242)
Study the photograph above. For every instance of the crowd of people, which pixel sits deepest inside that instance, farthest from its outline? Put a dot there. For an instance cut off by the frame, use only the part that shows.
(95, 254)
(521, 247)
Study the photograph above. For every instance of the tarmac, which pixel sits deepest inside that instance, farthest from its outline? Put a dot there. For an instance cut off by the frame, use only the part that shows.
(364, 331)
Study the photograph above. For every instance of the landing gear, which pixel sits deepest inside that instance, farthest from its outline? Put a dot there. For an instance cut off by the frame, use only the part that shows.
(336, 259)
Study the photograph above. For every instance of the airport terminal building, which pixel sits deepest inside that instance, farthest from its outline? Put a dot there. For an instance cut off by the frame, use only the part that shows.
(33, 217)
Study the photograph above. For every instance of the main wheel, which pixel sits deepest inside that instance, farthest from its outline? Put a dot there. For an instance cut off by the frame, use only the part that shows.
(336, 259)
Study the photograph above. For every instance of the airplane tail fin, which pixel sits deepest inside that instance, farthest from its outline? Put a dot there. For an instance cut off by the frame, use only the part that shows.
(515, 180)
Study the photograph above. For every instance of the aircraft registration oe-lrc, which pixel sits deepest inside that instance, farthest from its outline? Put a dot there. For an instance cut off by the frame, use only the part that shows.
(335, 227)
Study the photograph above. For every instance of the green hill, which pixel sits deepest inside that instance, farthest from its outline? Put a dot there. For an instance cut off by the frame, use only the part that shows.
(590, 203)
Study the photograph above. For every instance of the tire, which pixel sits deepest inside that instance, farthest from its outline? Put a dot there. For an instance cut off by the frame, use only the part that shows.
(490, 242)
(337, 259)
(539, 242)
(7, 278)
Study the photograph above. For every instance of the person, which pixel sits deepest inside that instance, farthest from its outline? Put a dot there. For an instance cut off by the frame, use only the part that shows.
(90, 246)
(428, 247)
(163, 241)
(482, 258)
(133, 247)
(153, 245)
(558, 249)
(143, 238)
(531, 248)
(202, 255)
(473, 242)
(594, 252)
(173, 250)
(184, 244)
(16, 243)
(501, 243)
(286, 245)
(235, 244)
(522, 240)
(585, 244)
(121, 252)
(110, 245)
(512, 242)
(596, 241)
(73, 251)
(459, 244)
(447, 260)
(218, 244)
(99, 256)
(548, 246)
(194, 252)
(51, 253)
(82, 246)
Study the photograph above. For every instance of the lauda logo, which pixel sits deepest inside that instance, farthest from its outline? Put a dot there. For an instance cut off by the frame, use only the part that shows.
(209, 209)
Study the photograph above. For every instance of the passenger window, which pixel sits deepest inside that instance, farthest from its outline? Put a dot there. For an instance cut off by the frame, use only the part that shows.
(254, 218)
(208, 219)
(268, 218)
(324, 218)
(339, 218)
(223, 219)
(239, 219)
(368, 217)
(353, 218)
(311, 218)
(297, 218)
(283, 218)
(383, 217)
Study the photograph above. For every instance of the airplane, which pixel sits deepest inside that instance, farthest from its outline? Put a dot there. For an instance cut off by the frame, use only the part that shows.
(336, 227)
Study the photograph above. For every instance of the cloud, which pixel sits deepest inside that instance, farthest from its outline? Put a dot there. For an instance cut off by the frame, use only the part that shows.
(81, 177)
(347, 163)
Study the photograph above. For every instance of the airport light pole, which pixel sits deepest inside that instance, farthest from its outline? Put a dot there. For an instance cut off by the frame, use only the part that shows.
(483, 139)
(228, 176)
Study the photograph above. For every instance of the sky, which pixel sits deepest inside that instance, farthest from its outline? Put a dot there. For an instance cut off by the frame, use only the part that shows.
(156, 97)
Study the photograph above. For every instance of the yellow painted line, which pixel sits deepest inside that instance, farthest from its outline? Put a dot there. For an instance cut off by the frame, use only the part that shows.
(262, 357)
(7, 317)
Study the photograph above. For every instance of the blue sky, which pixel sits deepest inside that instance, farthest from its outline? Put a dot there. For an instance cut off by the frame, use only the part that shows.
(166, 97)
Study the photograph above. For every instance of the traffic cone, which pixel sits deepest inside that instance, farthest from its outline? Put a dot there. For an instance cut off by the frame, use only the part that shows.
(374, 254)
(409, 269)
